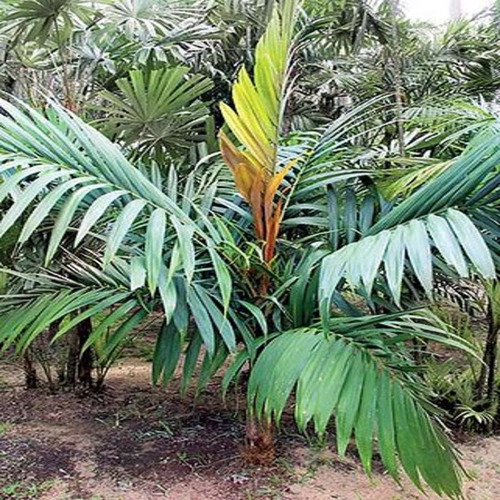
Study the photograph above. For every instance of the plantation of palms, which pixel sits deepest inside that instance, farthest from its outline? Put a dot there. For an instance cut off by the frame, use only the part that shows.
(304, 197)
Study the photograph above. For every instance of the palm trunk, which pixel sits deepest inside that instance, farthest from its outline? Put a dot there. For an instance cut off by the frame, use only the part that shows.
(491, 359)
(30, 376)
(398, 84)
(69, 101)
(62, 348)
(259, 446)
(488, 369)
(72, 360)
(85, 365)
(79, 364)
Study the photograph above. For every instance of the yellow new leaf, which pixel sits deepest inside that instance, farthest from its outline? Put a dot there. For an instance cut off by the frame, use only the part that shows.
(261, 151)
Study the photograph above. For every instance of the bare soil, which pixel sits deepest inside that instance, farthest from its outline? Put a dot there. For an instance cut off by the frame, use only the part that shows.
(137, 442)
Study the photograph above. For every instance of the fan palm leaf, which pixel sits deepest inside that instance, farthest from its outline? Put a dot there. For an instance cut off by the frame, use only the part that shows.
(159, 112)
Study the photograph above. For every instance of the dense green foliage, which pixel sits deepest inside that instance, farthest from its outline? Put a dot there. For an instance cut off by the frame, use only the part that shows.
(356, 180)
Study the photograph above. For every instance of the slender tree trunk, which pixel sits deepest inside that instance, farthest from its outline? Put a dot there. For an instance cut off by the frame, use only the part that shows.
(491, 360)
(68, 93)
(43, 355)
(30, 376)
(488, 369)
(85, 365)
(398, 83)
(79, 364)
(72, 360)
(62, 349)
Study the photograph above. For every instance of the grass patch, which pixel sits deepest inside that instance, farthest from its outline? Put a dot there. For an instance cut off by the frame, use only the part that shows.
(4, 427)
(25, 490)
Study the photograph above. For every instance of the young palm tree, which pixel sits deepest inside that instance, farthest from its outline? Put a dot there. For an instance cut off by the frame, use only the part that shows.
(296, 265)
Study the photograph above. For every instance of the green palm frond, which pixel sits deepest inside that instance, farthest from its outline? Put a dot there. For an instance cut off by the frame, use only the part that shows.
(64, 147)
(60, 162)
(453, 236)
(455, 185)
(360, 374)
(42, 299)
(37, 20)
(432, 221)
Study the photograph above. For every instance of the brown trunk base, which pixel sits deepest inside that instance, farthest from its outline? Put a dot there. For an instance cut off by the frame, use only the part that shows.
(85, 364)
(30, 375)
(259, 447)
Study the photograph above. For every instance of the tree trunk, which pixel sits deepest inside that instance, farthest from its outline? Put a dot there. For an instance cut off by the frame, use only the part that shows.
(488, 369)
(30, 376)
(72, 360)
(85, 365)
(398, 83)
(491, 360)
(259, 446)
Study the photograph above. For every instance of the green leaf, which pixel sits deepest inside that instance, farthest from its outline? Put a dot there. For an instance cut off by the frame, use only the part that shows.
(394, 262)
(419, 251)
(332, 270)
(360, 376)
(257, 314)
(167, 353)
(45, 206)
(27, 197)
(220, 321)
(202, 319)
(114, 317)
(121, 228)
(365, 420)
(223, 277)
(64, 218)
(472, 242)
(186, 247)
(120, 334)
(168, 294)
(95, 212)
(154, 247)
(137, 273)
(372, 258)
(349, 401)
(446, 242)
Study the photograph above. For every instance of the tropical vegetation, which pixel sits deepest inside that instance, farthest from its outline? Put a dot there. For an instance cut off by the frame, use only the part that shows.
(291, 185)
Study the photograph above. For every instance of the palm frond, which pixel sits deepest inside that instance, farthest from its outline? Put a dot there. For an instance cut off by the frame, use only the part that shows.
(408, 247)
(143, 224)
(256, 122)
(159, 111)
(357, 374)
(432, 221)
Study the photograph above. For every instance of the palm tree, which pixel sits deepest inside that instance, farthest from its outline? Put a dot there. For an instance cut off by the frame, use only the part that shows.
(159, 111)
(46, 21)
(295, 265)
(85, 47)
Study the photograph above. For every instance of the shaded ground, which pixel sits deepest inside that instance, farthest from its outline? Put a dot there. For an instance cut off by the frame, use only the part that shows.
(135, 442)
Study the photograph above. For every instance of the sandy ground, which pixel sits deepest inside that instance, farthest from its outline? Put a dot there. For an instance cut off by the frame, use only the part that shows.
(481, 459)
(135, 442)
